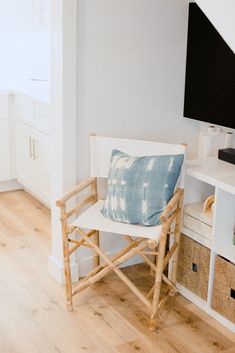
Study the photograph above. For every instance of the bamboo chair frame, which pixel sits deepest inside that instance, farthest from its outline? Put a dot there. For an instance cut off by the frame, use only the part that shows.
(171, 225)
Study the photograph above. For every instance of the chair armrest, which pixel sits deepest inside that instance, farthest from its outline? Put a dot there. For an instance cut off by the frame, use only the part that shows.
(171, 205)
(75, 190)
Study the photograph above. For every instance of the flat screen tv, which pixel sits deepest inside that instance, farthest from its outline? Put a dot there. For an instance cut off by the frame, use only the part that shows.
(210, 73)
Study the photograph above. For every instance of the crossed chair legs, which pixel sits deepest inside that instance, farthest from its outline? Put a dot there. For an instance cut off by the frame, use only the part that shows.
(170, 216)
(135, 246)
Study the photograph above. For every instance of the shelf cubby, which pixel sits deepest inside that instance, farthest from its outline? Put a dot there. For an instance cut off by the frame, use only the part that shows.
(204, 178)
(224, 224)
(196, 192)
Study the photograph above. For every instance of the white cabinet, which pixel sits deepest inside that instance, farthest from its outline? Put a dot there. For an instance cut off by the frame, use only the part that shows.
(25, 143)
(24, 157)
(25, 109)
(42, 118)
(35, 15)
(33, 113)
(33, 160)
(4, 109)
(8, 15)
(4, 150)
(24, 15)
(43, 166)
(41, 12)
(5, 157)
(33, 146)
(211, 176)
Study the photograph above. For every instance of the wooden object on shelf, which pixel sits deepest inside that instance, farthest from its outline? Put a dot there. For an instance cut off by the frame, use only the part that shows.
(198, 221)
(193, 269)
(223, 295)
(208, 204)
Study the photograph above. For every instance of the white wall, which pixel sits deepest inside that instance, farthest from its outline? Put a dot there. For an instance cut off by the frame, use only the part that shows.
(131, 71)
(63, 111)
(221, 14)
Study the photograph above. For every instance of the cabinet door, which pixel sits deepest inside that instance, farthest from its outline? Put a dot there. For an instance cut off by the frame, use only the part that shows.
(41, 14)
(33, 161)
(25, 110)
(4, 150)
(4, 106)
(24, 15)
(25, 168)
(42, 154)
(9, 15)
(42, 118)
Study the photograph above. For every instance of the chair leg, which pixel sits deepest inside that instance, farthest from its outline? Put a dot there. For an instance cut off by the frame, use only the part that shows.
(175, 258)
(68, 281)
(96, 257)
(67, 271)
(158, 281)
(154, 261)
(177, 240)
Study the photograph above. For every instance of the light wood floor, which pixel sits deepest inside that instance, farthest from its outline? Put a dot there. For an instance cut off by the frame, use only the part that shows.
(108, 318)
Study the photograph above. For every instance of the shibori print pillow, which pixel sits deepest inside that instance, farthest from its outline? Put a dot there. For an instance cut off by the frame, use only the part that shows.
(139, 188)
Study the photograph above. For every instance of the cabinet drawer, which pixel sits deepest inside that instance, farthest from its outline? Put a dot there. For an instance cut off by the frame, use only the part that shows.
(193, 267)
(32, 113)
(197, 226)
(4, 150)
(42, 118)
(3, 106)
(25, 110)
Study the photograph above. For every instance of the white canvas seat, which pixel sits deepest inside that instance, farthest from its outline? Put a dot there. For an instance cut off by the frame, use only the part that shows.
(93, 219)
(152, 243)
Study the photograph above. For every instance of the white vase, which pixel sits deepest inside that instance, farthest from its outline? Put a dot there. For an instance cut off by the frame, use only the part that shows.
(228, 139)
(207, 149)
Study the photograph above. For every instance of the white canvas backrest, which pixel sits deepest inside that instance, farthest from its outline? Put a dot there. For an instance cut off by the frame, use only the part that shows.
(101, 149)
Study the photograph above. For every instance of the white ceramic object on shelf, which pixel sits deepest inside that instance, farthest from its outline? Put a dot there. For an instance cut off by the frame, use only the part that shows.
(228, 139)
(208, 141)
(213, 130)
(207, 146)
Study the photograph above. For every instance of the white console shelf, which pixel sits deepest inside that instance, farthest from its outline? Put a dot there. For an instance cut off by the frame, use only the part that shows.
(214, 172)
(204, 178)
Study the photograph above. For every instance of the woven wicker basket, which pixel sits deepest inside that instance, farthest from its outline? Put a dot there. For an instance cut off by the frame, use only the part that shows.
(223, 295)
(193, 267)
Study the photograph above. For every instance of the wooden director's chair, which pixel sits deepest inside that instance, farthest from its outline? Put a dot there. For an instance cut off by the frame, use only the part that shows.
(145, 241)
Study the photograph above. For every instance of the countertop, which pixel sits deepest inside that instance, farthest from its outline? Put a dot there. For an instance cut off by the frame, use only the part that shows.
(38, 90)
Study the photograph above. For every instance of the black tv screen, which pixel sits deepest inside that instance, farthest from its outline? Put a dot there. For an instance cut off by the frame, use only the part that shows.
(210, 73)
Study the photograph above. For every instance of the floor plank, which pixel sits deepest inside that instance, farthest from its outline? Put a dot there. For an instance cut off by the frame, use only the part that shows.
(107, 318)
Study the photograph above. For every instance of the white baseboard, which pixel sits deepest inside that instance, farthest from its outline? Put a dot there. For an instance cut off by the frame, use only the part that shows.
(80, 269)
(10, 185)
(56, 270)
(45, 203)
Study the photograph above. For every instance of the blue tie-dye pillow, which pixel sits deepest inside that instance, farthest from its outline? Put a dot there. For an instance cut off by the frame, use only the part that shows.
(140, 187)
